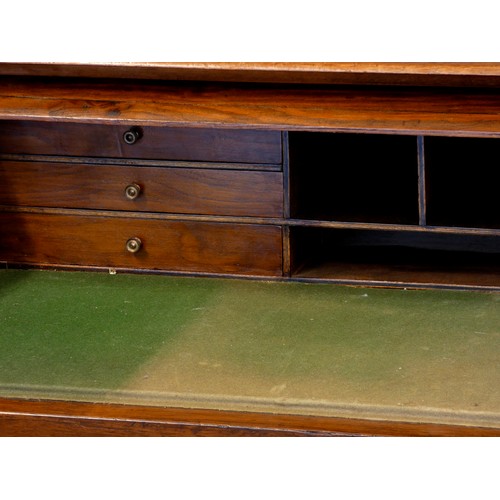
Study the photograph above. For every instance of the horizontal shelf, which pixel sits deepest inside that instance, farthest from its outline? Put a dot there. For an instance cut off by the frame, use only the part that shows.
(393, 258)
(260, 220)
(386, 275)
(394, 227)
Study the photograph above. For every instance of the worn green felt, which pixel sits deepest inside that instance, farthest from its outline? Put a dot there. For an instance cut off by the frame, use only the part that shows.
(231, 344)
(86, 329)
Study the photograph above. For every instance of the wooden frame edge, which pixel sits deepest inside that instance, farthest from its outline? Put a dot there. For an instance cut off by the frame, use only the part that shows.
(309, 73)
(37, 418)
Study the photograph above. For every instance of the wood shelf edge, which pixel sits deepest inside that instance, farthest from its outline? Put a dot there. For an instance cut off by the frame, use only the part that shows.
(414, 73)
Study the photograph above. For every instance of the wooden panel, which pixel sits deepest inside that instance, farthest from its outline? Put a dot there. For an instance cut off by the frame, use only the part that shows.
(243, 249)
(210, 145)
(58, 418)
(464, 74)
(174, 190)
(403, 111)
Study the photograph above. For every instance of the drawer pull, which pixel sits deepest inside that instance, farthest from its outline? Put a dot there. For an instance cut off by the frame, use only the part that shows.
(133, 135)
(132, 191)
(133, 245)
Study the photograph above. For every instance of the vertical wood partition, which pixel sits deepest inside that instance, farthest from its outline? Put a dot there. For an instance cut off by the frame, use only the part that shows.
(286, 175)
(422, 202)
(286, 205)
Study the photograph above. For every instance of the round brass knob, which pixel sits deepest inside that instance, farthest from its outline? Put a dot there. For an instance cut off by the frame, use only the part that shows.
(133, 245)
(132, 191)
(133, 135)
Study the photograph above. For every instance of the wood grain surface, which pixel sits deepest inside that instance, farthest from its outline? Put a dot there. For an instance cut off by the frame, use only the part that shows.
(404, 111)
(419, 73)
(479, 277)
(74, 139)
(242, 249)
(173, 190)
(55, 418)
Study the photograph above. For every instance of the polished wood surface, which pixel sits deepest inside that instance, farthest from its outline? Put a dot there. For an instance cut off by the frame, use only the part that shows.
(74, 139)
(410, 275)
(173, 190)
(58, 418)
(404, 111)
(241, 249)
(463, 74)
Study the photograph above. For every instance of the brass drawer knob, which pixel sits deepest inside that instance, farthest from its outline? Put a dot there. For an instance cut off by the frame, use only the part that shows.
(132, 191)
(133, 245)
(132, 136)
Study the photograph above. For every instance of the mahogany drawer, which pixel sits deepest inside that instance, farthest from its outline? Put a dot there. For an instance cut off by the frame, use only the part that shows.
(167, 143)
(161, 189)
(67, 240)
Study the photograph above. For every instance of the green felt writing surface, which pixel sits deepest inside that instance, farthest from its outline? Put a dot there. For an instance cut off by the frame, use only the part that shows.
(234, 344)
(87, 329)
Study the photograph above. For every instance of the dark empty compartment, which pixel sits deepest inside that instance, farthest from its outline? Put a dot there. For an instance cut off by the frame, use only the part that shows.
(354, 177)
(392, 257)
(462, 177)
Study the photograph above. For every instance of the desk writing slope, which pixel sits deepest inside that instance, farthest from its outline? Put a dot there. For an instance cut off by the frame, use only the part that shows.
(310, 349)
(243, 195)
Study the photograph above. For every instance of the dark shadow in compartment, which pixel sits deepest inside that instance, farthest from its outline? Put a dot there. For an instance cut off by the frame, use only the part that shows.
(354, 177)
(462, 176)
(395, 257)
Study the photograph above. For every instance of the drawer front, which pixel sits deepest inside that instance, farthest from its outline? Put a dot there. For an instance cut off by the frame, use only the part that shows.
(160, 189)
(166, 143)
(242, 249)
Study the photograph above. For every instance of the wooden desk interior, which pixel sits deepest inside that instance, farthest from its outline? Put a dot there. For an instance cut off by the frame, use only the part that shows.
(294, 180)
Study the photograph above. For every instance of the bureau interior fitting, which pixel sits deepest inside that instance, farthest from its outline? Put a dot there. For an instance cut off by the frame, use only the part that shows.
(355, 208)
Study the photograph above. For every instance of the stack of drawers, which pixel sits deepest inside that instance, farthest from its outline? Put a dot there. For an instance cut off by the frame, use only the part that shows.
(154, 198)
